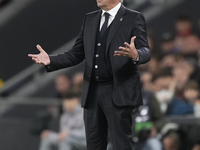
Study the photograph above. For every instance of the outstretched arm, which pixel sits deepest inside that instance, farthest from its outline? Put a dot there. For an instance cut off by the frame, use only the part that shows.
(41, 58)
(63, 60)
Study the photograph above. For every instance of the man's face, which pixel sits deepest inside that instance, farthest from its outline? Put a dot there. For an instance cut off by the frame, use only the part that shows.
(183, 27)
(107, 4)
(70, 104)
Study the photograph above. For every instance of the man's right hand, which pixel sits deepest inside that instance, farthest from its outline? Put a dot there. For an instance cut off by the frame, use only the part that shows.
(41, 58)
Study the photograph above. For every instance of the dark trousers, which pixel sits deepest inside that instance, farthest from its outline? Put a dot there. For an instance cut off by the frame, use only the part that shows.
(102, 115)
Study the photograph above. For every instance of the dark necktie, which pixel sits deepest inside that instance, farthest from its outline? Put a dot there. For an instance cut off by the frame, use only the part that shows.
(105, 24)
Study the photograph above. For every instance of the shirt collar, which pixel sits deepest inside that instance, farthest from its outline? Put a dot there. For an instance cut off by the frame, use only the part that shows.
(113, 11)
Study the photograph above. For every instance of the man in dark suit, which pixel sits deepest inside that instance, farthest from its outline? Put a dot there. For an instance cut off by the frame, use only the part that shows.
(111, 87)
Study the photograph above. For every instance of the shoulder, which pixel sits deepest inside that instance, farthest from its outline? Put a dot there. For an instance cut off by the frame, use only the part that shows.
(128, 10)
(93, 13)
(134, 12)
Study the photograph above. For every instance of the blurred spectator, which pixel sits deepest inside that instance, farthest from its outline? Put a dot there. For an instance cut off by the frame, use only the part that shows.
(151, 106)
(167, 44)
(164, 88)
(179, 107)
(147, 139)
(77, 82)
(186, 105)
(181, 75)
(154, 66)
(146, 79)
(183, 25)
(62, 85)
(191, 92)
(186, 40)
(170, 61)
(149, 113)
(196, 146)
(152, 143)
(72, 133)
(42, 119)
(172, 141)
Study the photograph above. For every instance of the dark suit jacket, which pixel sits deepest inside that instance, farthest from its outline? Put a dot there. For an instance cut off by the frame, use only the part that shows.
(127, 23)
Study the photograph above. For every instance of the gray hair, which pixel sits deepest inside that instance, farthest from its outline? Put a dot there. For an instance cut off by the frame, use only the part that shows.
(122, 1)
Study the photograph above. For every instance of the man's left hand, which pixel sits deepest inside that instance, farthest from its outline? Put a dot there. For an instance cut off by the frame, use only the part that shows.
(128, 51)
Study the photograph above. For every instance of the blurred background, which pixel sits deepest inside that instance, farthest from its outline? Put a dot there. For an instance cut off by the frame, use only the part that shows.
(30, 98)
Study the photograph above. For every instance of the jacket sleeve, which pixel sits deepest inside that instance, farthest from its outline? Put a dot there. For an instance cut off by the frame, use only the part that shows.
(70, 58)
(141, 42)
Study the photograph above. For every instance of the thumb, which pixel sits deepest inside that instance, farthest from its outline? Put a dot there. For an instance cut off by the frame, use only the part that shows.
(40, 48)
(133, 39)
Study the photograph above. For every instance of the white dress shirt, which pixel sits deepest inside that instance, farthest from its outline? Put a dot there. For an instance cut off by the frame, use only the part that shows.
(112, 13)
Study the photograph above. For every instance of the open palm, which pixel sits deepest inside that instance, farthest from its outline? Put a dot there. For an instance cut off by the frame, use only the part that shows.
(128, 51)
(41, 58)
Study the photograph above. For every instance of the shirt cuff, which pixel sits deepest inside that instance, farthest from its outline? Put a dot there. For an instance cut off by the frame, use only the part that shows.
(137, 59)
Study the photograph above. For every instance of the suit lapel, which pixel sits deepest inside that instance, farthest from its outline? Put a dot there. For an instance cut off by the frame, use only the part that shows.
(94, 29)
(115, 24)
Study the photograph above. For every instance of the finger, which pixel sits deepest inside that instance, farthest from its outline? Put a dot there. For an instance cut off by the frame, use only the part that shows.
(118, 55)
(119, 52)
(127, 45)
(33, 58)
(40, 48)
(38, 62)
(32, 55)
(36, 59)
(133, 39)
(123, 49)
(124, 55)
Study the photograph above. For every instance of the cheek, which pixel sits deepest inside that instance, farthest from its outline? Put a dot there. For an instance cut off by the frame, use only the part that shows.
(195, 94)
(99, 2)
